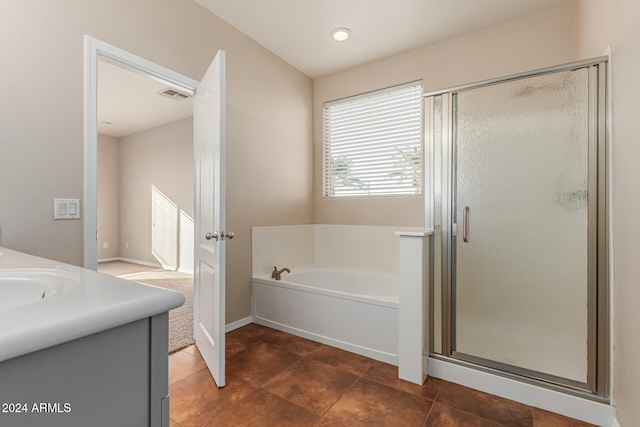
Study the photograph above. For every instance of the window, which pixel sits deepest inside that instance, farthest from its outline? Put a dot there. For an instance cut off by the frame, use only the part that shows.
(373, 143)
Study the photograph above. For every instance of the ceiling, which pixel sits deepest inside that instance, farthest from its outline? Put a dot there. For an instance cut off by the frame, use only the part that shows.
(298, 32)
(129, 102)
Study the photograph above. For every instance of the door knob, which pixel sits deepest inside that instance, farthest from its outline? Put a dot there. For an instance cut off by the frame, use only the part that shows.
(222, 235)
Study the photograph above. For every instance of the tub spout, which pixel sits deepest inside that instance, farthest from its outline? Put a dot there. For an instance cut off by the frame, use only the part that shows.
(276, 273)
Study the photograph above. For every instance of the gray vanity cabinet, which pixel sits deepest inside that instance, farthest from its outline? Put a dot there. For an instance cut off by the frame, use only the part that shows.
(117, 377)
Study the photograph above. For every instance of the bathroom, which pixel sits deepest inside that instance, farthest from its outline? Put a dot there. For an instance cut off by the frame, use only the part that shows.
(42, 126)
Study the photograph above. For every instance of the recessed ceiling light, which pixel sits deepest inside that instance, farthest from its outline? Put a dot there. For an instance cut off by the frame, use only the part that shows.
(340, 34)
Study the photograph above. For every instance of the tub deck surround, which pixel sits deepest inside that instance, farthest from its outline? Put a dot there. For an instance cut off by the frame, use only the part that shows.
(359, 285)
(342, 289)
(413, 321)
(87, 303)
(355, 247)
(362, 319)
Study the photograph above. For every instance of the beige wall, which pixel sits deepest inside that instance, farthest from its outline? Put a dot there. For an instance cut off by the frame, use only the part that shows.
(139, 174)
(601, 22)
(156, 167)
(536, 41)
(108, 196)
(41, 116)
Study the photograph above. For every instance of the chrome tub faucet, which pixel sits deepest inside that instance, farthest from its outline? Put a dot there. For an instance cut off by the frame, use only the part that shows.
(276, 273)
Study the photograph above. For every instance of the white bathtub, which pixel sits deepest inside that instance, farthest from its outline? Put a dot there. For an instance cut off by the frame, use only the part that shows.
(353, 310)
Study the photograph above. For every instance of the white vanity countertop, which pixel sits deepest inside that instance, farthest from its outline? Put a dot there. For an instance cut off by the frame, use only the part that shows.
(91, 303)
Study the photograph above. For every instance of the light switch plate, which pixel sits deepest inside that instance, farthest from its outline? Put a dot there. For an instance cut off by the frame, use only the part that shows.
(66, 208)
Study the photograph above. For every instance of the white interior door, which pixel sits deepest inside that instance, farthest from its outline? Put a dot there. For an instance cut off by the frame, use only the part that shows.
(209, 276)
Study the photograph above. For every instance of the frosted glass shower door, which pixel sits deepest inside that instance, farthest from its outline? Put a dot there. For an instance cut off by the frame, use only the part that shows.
(521, 213)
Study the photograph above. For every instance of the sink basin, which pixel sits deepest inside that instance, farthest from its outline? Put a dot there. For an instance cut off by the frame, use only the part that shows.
(22, 287)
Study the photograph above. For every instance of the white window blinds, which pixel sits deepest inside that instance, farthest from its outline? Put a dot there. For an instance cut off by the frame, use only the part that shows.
(373, 143)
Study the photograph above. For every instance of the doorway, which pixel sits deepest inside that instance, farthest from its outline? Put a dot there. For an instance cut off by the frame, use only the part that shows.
(209, 141)
(520, 220)
(95, 53)
(139, 166)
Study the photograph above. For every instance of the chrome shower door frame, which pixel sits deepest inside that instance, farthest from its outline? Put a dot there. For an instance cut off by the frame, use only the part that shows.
(439, 216)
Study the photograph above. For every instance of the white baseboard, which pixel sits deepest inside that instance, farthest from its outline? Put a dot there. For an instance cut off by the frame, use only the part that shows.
(108, 259)
(185, 270)
(145, 263)
(136, 261)
(238, 324)
(571, 406)
(132, 261)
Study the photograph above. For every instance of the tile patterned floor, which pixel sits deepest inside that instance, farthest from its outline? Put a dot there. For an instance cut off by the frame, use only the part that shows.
(278, 379)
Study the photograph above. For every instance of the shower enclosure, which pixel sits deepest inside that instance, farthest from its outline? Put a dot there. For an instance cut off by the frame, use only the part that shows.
(519, 284)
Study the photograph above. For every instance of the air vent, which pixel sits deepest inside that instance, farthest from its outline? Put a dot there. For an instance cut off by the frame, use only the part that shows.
(173, 94)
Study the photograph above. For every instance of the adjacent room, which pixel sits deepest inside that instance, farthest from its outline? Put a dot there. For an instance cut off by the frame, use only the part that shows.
(145, 187)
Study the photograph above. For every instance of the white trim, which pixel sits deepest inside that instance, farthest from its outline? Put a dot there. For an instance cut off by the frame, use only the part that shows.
(610, 225)
(95, 49)
(425, 233)
(90, 222)
(132, 261)
(148, 264)
(238, 324)
(539, 397)
(185, 270)
(108, 259)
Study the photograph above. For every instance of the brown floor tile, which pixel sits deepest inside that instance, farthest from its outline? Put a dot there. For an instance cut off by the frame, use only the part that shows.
(182, 364)
(254, 334)
(173, 423)
(369, 403)
(265, 409)
(342, 359)
(197, 398)
(221, 420)
(446, 416)
(549, 419)
(311, 384)
(388, 375)
(300, 379)
(258, 364)
(325, 422)
(292, 343)
(484, 405)
(244, 337)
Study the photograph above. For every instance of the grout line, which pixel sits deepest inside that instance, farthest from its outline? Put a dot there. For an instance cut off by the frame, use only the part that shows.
(188, 376)
(342, 395)
(424, 424)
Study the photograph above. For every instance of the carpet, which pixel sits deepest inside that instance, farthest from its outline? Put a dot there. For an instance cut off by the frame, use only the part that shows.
(181, 318)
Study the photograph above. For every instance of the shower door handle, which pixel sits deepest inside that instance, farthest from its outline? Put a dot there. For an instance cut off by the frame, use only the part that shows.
(465, 224)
